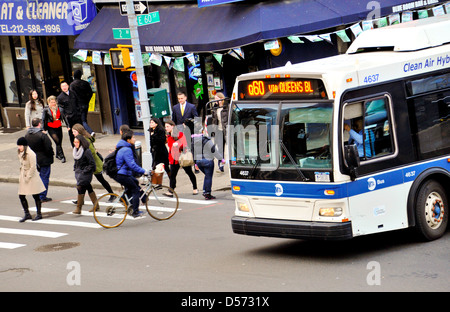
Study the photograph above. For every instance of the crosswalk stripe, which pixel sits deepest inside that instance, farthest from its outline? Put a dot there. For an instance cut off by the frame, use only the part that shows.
(32, 232)
(10, 245)
(55, 222)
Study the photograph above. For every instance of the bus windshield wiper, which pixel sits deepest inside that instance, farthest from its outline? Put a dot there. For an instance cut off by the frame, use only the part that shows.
(300, 173)
(258, 161)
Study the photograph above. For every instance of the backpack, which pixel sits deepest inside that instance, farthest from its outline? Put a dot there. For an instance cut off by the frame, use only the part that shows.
(110, 165)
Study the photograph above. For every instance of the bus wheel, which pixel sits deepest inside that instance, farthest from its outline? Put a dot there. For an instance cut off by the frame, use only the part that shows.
(431, 214)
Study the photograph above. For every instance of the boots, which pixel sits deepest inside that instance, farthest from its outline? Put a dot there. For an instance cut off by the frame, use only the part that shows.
(80, 202)
(93, 198)
(27, 215)
(38, 211)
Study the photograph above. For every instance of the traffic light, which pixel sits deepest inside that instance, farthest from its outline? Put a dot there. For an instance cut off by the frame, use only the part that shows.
(120, 58)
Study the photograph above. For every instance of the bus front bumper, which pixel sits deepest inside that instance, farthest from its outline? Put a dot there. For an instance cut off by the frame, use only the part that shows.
(292, 229)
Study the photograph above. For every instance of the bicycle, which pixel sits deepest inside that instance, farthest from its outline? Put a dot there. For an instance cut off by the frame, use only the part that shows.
(111, 209)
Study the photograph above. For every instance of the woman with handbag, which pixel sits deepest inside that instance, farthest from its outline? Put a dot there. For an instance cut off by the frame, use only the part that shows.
(177, 143)
(98, 173)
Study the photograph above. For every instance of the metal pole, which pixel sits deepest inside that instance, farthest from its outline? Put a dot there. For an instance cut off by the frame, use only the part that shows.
(142, 86)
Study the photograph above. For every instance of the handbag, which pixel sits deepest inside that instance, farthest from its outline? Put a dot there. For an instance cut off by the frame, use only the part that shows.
(186, 158)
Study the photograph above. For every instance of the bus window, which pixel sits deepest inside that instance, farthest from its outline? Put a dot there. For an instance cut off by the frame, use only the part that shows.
(432, 114)
(253, 134)
(367, 125)
(305, 135)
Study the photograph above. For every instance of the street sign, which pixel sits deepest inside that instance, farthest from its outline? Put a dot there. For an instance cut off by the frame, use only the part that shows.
(147, 19)
(121, 33)
(140, 7)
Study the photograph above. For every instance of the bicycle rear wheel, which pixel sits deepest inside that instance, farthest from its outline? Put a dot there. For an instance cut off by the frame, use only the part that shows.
(110, 210)
(159, 206)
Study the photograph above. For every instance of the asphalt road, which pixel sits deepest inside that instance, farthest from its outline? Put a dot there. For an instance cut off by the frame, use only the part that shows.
(196, 251)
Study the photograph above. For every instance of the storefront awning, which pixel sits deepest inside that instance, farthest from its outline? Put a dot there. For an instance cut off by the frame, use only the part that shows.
(188, 28)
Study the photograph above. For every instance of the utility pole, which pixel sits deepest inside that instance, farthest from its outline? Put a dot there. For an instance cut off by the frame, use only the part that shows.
(142, 85)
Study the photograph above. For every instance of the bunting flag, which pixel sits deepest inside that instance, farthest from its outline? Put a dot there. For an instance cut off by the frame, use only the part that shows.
(178, 64)
(169, 61)
(191, 58)
(218, 58)
(156, 59)
(97, 58)
(107, 59)
(81, 55)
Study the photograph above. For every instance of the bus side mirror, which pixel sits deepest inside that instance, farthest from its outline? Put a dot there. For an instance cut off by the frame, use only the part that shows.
(352, 158)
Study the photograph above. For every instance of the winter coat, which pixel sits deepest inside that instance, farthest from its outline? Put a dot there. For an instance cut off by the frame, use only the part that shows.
(174, 152)
(158, 146)
(83, 93)
(41, 145)
(31, 114)
(47, 117)
(30, 182)
(125, 160)
(68, 103)
(98, 161)
(203, 148)
(84, 168)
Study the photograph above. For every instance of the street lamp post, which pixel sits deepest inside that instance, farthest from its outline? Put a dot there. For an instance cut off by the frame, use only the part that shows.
(142, 86)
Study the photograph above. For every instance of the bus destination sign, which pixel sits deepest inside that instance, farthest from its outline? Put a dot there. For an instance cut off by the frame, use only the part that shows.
(281, 88)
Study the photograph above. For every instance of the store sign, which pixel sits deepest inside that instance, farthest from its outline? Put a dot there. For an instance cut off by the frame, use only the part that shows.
(45, 17)
(206, 3)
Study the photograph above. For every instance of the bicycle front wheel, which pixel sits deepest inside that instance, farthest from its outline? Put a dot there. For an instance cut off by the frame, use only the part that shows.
(160, 206)
(110, 210)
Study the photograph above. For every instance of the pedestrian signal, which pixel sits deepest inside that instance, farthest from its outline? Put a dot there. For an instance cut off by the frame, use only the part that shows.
(120, 58)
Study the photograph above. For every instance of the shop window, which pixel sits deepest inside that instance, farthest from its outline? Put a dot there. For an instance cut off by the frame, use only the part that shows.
(87, 74)
(6, 60)
(23, 68)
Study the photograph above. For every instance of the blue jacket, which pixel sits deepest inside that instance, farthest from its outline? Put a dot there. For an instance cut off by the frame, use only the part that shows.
(125, 160)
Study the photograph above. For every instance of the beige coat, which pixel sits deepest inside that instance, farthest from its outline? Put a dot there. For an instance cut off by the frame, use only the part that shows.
(30, 182)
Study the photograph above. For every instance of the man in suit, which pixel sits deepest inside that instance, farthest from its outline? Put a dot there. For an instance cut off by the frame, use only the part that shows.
(183, 110)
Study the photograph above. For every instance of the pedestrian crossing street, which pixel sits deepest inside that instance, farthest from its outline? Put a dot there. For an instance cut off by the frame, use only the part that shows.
(9, 225)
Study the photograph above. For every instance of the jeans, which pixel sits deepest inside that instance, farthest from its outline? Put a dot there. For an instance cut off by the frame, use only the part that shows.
(132, 188)
(207, 167)
(44, 173)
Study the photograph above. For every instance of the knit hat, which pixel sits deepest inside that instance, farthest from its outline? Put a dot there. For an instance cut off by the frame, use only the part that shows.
(22, 141)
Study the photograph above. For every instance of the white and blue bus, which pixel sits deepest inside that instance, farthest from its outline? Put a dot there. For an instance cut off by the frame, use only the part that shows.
(348, 145)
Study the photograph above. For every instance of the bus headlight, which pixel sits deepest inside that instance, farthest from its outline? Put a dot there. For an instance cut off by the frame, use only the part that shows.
(243, 207)
(330, 212)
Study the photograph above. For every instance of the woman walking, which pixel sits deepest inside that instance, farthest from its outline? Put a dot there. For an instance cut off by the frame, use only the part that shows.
(204, 151)
(33, 108)
(158, 145)
(177, 142)
(98, 173)
(84, 168)
(30, 182)
(51, 122)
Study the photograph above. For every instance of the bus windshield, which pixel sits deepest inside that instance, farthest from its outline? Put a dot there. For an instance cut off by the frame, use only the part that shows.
(301, 140)
(305, 135)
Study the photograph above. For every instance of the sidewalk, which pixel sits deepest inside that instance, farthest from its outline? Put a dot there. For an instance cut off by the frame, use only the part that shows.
(63, 174)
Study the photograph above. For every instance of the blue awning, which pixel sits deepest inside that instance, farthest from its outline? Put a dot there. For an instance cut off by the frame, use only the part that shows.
(188, 28)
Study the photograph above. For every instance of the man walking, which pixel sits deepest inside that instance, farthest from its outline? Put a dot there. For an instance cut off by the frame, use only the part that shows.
(83, 94)
(41, 145)
(68, 102)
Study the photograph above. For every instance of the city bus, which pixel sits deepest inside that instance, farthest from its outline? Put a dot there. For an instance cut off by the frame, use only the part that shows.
(348, 145)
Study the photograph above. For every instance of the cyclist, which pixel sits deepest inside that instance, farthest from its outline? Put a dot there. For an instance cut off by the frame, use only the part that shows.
(128, 168)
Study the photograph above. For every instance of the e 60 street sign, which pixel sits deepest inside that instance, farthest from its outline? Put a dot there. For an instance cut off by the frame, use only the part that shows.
(147, 19)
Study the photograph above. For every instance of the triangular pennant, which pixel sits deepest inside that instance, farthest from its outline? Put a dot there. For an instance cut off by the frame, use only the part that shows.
(178, 64)
(218, 58)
